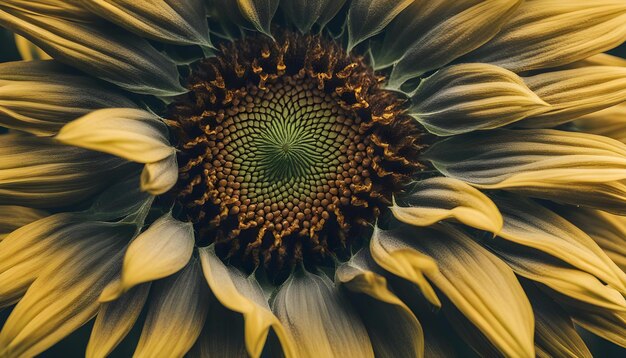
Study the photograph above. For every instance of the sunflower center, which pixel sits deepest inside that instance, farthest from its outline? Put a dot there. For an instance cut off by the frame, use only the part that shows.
(287, 149)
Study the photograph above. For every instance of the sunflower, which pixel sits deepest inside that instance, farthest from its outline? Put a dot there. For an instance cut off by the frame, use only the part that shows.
(314, 178)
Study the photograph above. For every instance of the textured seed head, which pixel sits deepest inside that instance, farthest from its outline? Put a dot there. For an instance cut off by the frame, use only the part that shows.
(287, 147)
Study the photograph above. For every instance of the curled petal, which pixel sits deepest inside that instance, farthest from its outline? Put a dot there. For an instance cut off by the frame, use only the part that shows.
(467, 97)
(550, 33)
(162, 250)
(244, 295)
(129, 133)
(411, 265)
(159, 177)
(319, 319)
(178, 22)
(176, 314)
(569, 167)
(111, 54)
(366, 18)
(115, 319)
(431, 34)
(574, 93)
(65, 295)
(391, 325)
(504, 317)
(432, 200)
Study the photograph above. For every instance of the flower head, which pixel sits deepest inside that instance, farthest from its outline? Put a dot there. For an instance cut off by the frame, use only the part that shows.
(314, 178)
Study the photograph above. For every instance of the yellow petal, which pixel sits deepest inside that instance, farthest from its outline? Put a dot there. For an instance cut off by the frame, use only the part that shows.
(14, 217)
(555, 335)
(318, 317)
(39, 173)
(392, 327)
(159, 177)
(176, 314)
(430, 34)
(41, 105)
(366, 18)
(259, 13)
(28, 51)
(473, 278)
(178, 22)
(160, 251)
(244, 295)
(610, 122)
(132, 134)
(222, 335)
(561, 277)
(65, 295)
(76, 38)
(606, 324)
(432, 200)
(115, 319)
(26, 251)
(529, 224)
(608, 230)
(467, 97)
(550, 33)
(576, 92)
(305, 13)
(568, 167)
(408, 264)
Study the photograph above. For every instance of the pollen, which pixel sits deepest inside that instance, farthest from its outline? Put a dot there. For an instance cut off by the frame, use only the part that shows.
(287, 148)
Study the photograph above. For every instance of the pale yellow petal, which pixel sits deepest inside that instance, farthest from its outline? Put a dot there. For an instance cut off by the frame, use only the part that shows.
(576, 92)
(320, 320)
(39, 173)
(41, 105)
(159, 177)
(76, 38)
(568, 167)
(606, 324)
(432, 200)
(176, 314)
(430, 34)
(468, 97)
(550, 33)
(472, 278)
(530, 224)
(160, 251)
(555, 335)
(115, 319)
(129, 133)
(392, 327)
(366, 18)
(172, 21)
(65, 295)
(244, 295)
